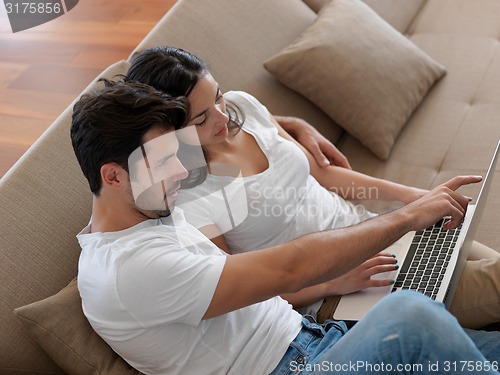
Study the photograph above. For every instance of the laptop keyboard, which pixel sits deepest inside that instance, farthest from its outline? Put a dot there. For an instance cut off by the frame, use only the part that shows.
(429, 255)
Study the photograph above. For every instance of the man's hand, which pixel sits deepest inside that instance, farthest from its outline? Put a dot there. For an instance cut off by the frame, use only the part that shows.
(443, 201)
(321, 148)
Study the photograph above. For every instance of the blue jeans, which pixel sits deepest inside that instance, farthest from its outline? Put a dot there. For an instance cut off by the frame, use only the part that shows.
(405, 333)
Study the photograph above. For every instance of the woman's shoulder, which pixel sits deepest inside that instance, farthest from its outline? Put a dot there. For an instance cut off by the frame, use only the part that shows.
(237, 96)
(254, 112)
(245, 101)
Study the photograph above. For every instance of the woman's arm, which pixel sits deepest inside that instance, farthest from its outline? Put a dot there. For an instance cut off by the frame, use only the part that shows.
(353, 185)
(324, 152)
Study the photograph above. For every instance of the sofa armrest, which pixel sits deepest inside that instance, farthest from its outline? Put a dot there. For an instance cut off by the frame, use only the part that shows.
(44, 203)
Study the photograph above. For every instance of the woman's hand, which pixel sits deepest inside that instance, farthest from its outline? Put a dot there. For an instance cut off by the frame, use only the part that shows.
(360, 277)
(321, 148)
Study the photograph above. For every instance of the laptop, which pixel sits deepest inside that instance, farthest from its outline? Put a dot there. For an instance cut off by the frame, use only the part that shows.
(431, 260)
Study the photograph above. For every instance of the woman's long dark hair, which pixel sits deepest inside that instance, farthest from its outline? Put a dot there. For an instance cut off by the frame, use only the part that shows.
(176, 72)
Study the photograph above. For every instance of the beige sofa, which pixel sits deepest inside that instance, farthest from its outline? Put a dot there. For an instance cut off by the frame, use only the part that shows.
(45, 201)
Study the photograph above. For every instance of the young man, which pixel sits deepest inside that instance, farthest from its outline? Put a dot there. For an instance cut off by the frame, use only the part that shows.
(170, 302)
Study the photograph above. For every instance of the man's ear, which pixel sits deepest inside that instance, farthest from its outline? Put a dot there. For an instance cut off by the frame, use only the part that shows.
(113, 176)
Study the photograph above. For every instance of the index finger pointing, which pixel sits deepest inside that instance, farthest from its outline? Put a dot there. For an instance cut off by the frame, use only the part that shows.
(459, 181)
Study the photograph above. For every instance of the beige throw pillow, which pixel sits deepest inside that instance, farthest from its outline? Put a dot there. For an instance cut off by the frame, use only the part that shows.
(358, 69)
(59, 326)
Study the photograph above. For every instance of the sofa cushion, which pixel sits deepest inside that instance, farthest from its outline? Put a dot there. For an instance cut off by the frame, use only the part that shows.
(59, 326)
(358, 69)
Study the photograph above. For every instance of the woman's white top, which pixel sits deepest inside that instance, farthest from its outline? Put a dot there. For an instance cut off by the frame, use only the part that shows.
(275, 206)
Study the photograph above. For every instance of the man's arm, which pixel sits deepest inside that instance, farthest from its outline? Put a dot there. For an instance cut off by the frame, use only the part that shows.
(354, 280)
(316, 258)
(324, 152)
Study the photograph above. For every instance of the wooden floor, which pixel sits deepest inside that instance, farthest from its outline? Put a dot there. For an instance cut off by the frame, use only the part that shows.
(43, 69)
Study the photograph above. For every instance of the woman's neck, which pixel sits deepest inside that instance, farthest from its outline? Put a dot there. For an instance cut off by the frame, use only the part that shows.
(222, 151)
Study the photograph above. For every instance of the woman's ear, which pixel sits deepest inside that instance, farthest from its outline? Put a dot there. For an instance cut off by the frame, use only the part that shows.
(113, 175)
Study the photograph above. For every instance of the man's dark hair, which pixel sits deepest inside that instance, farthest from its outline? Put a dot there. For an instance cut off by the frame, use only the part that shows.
(109, 124)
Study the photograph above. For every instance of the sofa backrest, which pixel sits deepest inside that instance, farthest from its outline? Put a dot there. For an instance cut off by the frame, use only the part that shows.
(235, 38)
(400, 14)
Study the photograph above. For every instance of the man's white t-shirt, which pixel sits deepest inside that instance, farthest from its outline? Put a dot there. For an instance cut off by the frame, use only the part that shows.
(145, 290)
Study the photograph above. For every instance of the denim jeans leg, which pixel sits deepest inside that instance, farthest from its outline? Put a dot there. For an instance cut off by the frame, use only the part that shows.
(314, 338)
(406, 333)
(487, 342)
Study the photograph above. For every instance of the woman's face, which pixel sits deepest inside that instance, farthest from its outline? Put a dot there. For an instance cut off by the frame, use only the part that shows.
(208, 111)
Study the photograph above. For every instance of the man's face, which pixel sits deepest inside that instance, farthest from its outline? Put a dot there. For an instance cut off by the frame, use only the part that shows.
(155, 173)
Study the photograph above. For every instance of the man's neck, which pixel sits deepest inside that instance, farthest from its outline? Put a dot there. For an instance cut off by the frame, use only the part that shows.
(107, 217)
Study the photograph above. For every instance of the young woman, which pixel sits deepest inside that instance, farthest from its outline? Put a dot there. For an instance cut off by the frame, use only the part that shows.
(287, 193)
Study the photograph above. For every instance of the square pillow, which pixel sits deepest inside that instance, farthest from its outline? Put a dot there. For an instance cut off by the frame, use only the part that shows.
(359, 70)
(59, 326)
